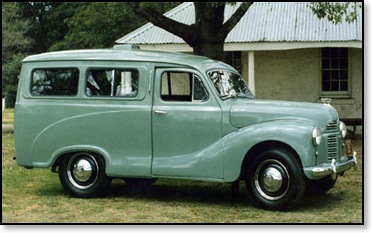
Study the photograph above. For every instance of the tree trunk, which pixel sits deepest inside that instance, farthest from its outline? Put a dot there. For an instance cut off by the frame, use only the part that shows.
(212, 50)
(210, 37)
(207, 35)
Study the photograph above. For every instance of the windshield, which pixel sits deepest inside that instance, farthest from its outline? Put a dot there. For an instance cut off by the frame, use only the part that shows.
(229, 84)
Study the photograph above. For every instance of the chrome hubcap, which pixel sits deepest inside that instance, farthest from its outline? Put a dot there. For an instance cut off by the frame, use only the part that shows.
(82, 170)
(272, 180)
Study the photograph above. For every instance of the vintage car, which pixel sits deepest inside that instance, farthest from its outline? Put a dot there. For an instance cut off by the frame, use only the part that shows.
(94, 115)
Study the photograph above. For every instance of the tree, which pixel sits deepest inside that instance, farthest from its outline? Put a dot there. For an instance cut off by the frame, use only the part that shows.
(10, 72)
(336, 11)
(14, 45)
(98, 25)
(48, 21)
(207, 35)
(13, 27)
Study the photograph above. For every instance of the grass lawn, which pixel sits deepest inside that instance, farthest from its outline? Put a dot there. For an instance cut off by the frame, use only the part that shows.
(36, 196)
(8, 116)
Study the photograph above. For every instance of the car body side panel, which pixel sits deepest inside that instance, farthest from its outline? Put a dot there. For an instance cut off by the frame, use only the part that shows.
(187, 142)
(123, 134)
(293, 133)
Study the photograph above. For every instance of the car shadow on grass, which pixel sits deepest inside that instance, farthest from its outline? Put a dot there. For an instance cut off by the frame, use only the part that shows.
(180, 191)
(195, 192)
(211, 193)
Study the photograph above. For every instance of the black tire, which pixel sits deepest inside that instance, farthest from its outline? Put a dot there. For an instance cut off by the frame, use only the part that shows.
(321, 186)
(275, 179)
(83, 175)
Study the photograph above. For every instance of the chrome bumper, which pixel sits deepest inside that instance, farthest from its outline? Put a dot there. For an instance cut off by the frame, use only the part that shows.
(335, 168)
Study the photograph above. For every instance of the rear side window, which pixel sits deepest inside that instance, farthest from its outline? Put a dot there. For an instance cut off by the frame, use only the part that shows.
(55, 82)
(112, 82)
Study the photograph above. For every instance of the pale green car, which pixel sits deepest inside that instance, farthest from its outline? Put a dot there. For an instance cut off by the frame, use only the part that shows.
(93, 115)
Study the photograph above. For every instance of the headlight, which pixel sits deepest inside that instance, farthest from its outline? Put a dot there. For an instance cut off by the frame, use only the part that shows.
(343, 129)
(317, 137)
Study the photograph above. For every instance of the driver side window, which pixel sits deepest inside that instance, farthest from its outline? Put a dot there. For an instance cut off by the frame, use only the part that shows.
(182, 87)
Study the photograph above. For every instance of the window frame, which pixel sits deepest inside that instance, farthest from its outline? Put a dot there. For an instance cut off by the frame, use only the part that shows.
(120, 69)
(54, 68)
(192, 86)
(335, 94)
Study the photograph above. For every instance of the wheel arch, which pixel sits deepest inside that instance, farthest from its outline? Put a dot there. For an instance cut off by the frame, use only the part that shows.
(260, 147)
(69, 151)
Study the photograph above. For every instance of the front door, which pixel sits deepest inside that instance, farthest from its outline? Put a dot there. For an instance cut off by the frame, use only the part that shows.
(186, 127)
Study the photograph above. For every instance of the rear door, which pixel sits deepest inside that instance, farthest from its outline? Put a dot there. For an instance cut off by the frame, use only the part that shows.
(186, 121)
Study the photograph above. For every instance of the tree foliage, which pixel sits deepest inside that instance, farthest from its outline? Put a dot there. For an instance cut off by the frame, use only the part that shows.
(335, 12)
(48, 21)
(13, 27)
(14, 46)
(10, 72)
(98, 25)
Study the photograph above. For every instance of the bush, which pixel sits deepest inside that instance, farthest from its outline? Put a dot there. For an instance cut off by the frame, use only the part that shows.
(10, 75)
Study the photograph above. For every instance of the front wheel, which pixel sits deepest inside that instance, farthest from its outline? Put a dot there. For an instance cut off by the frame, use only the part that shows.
(275, 179)
(83, 175)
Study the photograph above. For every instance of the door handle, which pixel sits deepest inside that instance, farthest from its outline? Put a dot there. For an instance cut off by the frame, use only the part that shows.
(159, 112)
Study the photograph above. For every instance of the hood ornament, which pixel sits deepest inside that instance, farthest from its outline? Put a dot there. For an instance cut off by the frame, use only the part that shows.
(326, 101)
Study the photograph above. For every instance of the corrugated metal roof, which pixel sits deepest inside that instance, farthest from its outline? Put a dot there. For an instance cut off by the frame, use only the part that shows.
(264, 22)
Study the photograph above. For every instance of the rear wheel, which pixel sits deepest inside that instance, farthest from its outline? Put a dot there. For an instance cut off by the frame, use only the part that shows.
(275, 179)
(83, 175)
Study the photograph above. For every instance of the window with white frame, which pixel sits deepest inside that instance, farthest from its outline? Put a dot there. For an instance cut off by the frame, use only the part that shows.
(335, 71)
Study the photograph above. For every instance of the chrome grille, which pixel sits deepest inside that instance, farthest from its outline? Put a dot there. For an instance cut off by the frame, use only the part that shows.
(332, 147)
(331, 126)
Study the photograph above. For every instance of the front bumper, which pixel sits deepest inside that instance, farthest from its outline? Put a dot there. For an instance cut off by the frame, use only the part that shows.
(334, 167)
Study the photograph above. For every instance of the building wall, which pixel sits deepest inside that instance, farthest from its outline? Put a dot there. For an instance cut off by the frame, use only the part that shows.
(287, 75)
(294, 75)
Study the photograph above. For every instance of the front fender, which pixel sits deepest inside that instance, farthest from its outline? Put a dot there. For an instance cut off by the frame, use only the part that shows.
(295, 134)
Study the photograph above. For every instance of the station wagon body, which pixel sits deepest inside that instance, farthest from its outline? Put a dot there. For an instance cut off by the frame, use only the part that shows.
(93, 115)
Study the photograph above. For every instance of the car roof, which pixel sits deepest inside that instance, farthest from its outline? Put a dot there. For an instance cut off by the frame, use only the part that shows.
(129, 53)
